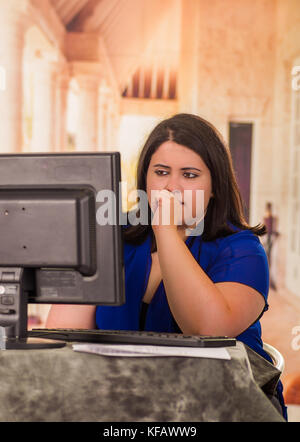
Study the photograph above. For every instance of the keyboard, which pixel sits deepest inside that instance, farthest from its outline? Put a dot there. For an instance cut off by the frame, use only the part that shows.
(132, 337)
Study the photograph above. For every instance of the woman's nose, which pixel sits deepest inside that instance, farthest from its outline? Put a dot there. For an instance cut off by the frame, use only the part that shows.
(172, 184)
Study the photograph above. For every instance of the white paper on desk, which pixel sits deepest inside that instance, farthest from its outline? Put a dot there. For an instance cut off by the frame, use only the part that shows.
(152, 351)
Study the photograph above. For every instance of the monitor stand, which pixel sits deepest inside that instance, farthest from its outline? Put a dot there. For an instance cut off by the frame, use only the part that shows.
(15, 283)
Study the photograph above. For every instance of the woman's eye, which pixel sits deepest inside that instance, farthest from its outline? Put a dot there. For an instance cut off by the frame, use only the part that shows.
(190, 175)
(161, 172)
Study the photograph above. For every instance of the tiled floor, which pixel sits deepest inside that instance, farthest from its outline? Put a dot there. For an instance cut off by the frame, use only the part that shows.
(277, 326)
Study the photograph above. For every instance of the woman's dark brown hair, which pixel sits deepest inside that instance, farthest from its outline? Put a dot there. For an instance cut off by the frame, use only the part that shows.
(225, 207)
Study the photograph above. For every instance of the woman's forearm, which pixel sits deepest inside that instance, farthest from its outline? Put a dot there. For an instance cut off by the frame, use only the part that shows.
(71, 316)
(196, 303)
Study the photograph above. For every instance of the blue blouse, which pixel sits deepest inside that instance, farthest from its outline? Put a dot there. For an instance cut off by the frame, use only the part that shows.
(239, 257)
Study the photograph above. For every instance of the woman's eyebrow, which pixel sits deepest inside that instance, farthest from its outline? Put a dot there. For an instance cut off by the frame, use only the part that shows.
(189, 168)
(182, 168)
(162, 165)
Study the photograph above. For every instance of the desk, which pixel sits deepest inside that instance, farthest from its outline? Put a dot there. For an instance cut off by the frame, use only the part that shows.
(64, 385)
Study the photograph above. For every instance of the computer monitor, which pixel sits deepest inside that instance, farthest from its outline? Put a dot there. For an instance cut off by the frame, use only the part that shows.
(52, 248)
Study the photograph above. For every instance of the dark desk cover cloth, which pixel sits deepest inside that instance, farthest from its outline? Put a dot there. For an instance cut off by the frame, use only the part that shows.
(63, 385)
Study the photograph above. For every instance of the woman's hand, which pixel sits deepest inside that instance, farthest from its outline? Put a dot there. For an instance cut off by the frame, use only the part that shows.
(167, 208)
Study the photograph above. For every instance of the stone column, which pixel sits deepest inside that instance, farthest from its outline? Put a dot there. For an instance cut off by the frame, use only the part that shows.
(188, 73)
(87, 132)
(13, 24)
(43, 124)
(62, 89)
(102, 116)
(109, 131)
(113, 126)
(109, 120)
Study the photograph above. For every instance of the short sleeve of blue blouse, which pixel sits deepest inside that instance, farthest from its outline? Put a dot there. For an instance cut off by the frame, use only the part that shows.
(240, 258)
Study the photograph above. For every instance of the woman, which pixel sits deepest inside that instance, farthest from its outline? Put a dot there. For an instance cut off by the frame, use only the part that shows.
(214, 283)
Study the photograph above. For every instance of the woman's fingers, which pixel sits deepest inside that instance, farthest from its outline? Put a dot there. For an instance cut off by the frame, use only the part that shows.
(168, 208)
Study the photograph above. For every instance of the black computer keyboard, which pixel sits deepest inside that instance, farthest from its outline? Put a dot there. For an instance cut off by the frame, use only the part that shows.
(132, 337)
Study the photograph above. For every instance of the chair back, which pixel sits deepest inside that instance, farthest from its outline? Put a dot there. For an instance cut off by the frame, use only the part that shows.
(275, 355)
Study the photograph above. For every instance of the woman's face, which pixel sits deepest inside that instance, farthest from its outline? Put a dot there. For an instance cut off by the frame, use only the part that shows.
(176, 168)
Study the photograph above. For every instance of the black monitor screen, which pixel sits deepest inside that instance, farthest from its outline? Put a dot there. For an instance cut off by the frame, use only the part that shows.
(49, 230)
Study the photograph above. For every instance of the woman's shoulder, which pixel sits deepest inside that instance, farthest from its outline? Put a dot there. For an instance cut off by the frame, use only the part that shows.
(239, 243)
(240, 257)
(240, 236)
